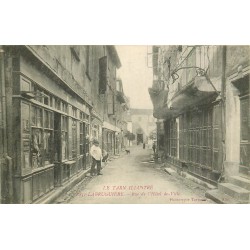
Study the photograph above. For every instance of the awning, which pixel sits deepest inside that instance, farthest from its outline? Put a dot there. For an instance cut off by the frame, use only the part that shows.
(198, 92)
(159, 100)
(110, 126)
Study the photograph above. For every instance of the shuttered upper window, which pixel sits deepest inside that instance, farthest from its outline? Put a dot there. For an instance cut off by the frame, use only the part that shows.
(103, 74)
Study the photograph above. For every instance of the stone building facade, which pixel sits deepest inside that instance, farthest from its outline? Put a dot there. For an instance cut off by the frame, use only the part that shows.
(54, 102)
(201, 98)
(143, 123)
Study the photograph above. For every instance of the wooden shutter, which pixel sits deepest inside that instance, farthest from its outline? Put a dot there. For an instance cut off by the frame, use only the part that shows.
(217, 137)
(103, 77)
(110, 103)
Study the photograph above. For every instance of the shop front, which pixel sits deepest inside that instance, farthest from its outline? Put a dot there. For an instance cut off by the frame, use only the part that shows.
(50, 128)
(242, 85)
(193, 142)
(110, 138)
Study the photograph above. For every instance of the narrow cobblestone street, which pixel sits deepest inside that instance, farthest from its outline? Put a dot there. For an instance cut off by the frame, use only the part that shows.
(133, 178)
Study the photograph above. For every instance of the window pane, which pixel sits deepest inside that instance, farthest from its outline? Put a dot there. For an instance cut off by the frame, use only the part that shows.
(33, 116)
(48, 143)
(244, 118)
(39, 117)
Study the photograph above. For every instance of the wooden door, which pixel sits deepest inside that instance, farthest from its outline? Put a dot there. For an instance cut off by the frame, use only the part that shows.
(245, 131)
(217, 139)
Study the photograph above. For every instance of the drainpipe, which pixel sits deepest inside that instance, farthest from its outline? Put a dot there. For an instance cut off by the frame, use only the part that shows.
(223, 113)
(6, 185)
(3, 125)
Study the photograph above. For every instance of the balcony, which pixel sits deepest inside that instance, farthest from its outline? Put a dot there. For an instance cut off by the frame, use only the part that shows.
(198, 92)
(193, 78)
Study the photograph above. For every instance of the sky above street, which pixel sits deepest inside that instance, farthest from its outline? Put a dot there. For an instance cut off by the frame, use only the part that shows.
(135, 74)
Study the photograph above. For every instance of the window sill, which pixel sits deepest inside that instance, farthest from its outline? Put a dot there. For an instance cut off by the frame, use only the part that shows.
(69, 162)
(42, 168)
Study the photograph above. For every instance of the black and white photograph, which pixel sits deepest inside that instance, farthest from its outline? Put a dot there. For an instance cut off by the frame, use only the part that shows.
(124, 124)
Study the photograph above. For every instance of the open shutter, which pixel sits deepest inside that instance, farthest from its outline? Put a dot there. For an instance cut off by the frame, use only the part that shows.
(110, 103)
(103, 77)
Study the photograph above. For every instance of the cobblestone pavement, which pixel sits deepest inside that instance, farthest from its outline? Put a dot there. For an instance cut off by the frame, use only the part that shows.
(135, 179)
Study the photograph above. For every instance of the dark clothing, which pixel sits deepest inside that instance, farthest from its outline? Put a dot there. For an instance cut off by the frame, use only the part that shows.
(143, 145)
(105, 158)
(154, 147)
(95, 162)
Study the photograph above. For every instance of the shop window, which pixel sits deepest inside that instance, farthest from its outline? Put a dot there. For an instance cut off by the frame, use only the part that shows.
(87, 138)
(42, 137)
(48, 149)
(64, 107)
(39, 117)
(74, 112)
(38, 94)
(46, 99)
(244, 108)
(48, 121)
(74, 139)
(36, 147)
(64, 137)
(58, 104)
(81, 138)
(33, 116)
(25, 114)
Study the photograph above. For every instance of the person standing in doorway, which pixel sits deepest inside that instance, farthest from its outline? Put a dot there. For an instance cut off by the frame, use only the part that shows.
(96, 154)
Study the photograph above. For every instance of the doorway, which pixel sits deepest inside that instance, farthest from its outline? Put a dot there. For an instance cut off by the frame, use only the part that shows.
(139, 138)
(244, 97)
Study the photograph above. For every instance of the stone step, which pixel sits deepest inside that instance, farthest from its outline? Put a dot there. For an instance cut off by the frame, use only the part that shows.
(240, 181)
(238, 193)
(170, 171)
(244, 171)
(220, 198)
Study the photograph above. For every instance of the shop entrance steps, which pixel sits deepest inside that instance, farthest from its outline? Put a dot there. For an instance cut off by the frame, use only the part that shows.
(220, 197)
(236, 191)
(240, 181)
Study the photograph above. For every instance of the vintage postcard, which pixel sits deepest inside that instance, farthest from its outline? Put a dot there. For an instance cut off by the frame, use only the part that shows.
(129, 120)
(120, 124)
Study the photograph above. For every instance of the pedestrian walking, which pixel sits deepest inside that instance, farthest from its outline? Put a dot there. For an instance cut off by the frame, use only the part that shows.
(154, 147)
(96, 154)
(143, 145)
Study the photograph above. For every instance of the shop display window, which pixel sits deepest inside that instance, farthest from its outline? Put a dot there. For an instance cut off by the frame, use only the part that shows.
(41, 137)
(64, 137)
(74, 138)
